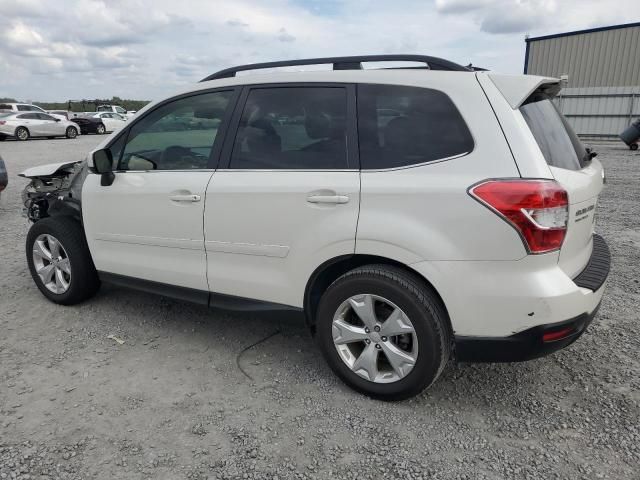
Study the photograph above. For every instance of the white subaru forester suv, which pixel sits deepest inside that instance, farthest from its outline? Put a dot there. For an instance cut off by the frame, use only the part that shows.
(414, 214)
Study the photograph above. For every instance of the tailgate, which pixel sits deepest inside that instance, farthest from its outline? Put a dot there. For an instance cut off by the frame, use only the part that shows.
(583, 187)
(573, 168)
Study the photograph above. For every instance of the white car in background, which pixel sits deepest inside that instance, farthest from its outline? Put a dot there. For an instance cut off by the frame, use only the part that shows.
(25, 125)
(115, 109)
(112, 121)
(27, 107)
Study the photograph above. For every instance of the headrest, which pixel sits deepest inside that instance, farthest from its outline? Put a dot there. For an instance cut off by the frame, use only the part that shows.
(317, 125)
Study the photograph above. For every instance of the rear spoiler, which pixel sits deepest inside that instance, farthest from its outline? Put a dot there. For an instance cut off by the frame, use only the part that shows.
(517, 89)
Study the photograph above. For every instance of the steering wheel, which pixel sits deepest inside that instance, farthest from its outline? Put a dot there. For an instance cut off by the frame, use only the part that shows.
(176, 154)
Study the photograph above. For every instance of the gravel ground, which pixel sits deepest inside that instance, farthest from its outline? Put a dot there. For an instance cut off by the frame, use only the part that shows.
(171, 402)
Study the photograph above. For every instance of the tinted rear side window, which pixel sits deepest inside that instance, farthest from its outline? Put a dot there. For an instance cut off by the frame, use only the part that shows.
(400, 126)
(558, 143)
(293, 128)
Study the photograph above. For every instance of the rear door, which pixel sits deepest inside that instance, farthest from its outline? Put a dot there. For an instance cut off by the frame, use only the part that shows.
(571, 166)
(286, 195)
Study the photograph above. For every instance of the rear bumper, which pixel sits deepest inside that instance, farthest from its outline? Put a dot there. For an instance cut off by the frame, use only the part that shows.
(7, 130)
(525, 345)
(543, 339)
(501, 300)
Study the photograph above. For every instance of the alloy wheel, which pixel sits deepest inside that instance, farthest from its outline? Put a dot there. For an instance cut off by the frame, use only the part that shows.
(52, 264)
(375, 338)
(23, 134)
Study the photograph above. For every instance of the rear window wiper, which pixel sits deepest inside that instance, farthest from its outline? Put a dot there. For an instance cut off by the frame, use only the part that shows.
(589, 155)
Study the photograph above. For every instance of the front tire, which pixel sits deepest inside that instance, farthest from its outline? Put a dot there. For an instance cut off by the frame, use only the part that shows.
(59, 261)
(383, 332)
(633, 146)
(22, 134)
(101, 130)
(72, 132)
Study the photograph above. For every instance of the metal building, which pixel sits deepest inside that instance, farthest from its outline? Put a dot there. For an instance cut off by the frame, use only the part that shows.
(602, 94)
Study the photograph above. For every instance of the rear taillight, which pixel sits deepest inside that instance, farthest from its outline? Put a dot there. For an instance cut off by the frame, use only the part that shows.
(2, 122)
(537, 209)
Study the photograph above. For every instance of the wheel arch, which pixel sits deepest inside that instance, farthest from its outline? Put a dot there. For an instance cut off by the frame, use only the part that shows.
(21, 126)
(54, 207)
(332, 269)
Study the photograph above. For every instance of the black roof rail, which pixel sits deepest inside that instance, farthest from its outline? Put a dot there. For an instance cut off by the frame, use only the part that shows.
(343, 63)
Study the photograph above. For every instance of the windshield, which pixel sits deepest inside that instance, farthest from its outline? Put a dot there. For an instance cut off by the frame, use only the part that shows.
(558, 143)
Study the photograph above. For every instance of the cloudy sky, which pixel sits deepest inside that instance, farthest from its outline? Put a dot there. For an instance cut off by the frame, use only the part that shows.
(144, 49)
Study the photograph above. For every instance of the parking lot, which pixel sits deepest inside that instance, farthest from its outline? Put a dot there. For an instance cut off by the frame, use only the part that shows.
(183, 396)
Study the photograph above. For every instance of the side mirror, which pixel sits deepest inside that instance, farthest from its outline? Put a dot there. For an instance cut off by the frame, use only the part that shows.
(103, 164)
(56, 119)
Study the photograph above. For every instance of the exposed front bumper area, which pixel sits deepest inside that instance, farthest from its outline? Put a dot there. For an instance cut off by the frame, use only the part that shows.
(526, 345)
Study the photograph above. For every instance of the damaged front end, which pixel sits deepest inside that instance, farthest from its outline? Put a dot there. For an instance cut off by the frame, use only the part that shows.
(54, 190)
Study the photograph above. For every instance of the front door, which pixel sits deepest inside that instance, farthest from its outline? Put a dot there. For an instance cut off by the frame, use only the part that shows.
(148, 224)
(50, 126)
(286, 196)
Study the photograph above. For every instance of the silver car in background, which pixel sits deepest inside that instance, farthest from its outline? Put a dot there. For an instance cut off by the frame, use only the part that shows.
(23, 126)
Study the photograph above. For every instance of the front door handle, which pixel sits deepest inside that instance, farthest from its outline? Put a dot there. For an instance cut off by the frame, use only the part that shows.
(328, 199)
(185, 198)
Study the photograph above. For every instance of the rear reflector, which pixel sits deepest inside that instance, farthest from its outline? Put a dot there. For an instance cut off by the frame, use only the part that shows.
(557, 335)
(537, 209)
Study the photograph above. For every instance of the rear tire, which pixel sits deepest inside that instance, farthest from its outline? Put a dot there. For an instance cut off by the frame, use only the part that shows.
(429, 343)
(80, 280)
(2, 138)
(22, 134)
(72, 132)
(633, 146)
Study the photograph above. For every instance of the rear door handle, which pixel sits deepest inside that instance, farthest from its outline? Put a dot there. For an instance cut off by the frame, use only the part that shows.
(185, 198)
(328, 199)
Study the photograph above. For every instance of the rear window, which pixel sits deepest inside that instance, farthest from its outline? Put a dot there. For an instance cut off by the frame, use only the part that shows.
(4, 106)
(401, 126)
(558, 143)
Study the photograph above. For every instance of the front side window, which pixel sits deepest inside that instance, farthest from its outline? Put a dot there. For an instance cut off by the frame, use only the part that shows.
(23, 108)
(292, 128)
(120, 110)
(176, 136)
(44, 116)
(401, 126)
